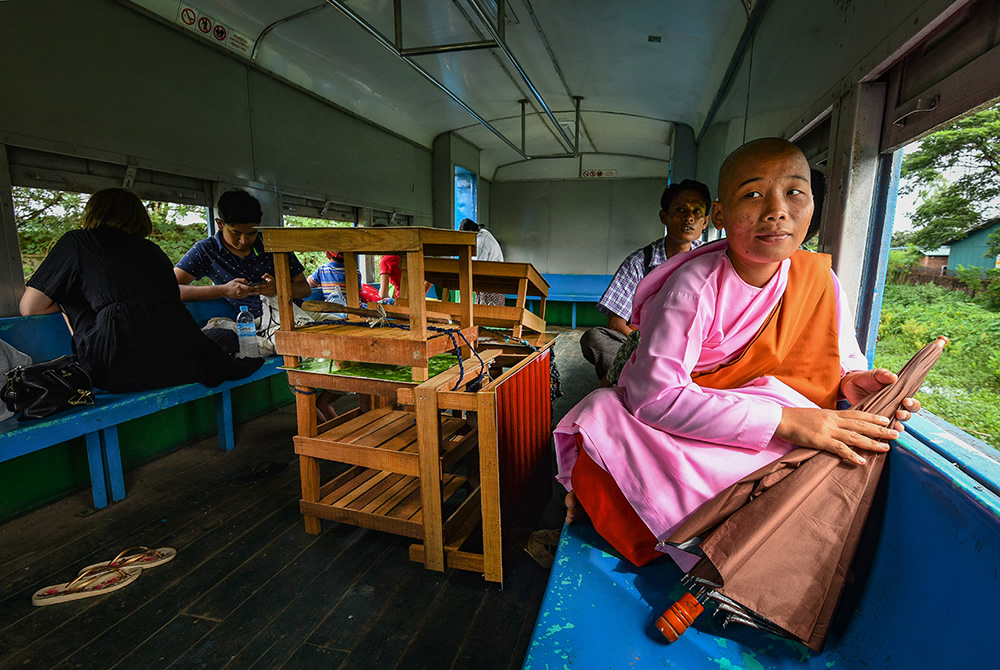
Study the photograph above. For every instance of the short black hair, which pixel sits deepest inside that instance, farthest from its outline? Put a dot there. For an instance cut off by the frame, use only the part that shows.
(238, 206)
(468, 225)
(674, 190)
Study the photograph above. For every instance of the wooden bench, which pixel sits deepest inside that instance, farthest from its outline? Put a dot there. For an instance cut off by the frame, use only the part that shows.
(574, 289)
(46, 337)
(923, 583)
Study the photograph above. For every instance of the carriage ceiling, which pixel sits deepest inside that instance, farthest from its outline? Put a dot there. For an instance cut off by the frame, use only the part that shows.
(638, 67)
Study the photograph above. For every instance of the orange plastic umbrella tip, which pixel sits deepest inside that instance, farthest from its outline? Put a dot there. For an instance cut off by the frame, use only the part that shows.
(941, 341)
(681, 614)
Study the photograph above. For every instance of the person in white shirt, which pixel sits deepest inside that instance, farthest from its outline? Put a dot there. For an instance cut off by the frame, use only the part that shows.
(487, 249)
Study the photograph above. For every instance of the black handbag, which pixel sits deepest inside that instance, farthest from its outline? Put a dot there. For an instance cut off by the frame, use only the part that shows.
(40, 390)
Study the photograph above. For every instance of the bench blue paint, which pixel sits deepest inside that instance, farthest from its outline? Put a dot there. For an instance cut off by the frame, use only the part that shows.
(46, 337)
(923, 597)
(574, 289)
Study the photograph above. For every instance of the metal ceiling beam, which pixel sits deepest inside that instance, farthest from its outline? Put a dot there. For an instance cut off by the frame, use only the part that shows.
(396, 47)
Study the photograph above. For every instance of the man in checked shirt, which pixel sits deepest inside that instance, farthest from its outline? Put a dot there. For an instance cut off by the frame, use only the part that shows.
(684, 209)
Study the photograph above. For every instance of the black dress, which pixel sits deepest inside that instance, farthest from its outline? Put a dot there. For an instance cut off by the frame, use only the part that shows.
(130, 329)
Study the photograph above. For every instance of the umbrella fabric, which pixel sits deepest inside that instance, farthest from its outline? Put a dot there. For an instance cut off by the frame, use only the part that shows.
(777, 545)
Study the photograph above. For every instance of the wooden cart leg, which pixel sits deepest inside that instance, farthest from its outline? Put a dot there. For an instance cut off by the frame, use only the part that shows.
(489, 474)
(309, 472)
(429, 447)
(305, 410)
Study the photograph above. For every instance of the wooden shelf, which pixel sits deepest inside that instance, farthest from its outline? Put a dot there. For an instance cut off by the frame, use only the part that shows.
(386, 439)
(376, 499)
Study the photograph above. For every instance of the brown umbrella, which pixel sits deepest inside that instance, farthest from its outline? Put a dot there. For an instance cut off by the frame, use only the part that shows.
(777, 545)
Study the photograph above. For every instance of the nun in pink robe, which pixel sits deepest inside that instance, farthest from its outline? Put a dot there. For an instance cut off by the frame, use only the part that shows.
(669, 444)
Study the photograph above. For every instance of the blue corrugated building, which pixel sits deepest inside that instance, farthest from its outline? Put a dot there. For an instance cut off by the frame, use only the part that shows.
(971, 251)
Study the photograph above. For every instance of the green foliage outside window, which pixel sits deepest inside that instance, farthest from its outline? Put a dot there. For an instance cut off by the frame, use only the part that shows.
(964, 387)
(44, 216)
(313, 259)
(952, 205)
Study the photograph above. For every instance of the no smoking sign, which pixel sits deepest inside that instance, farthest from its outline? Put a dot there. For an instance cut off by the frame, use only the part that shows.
(208, 26)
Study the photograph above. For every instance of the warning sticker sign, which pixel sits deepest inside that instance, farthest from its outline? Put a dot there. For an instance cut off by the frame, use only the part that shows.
(207, 26)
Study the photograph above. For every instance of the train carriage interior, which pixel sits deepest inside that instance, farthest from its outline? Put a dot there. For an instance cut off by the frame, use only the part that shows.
(554, 125)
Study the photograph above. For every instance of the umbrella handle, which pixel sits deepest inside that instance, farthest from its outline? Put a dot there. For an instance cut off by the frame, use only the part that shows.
(679, 616)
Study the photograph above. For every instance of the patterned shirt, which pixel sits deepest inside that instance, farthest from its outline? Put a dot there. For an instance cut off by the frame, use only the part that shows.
(210, 258)
(329, 277)
(617, 299)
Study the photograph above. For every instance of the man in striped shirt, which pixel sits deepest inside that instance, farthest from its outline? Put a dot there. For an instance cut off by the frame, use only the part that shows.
(684, 209)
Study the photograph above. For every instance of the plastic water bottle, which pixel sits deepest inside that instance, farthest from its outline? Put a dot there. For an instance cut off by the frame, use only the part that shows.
(246, 329)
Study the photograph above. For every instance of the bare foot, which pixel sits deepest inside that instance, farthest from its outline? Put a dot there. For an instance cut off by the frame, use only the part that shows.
(574, 512)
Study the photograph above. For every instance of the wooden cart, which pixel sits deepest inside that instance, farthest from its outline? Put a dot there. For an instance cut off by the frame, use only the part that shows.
(429, 459)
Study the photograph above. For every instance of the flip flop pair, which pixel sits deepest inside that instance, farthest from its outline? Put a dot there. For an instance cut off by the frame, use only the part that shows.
(105, 577)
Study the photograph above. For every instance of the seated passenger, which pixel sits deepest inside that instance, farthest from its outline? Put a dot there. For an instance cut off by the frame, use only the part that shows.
(747, 345)
(332, 278)
(121, 301)
(683, 213)
(235, 260)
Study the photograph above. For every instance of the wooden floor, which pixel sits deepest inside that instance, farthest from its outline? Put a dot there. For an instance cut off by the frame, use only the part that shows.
(249, 588)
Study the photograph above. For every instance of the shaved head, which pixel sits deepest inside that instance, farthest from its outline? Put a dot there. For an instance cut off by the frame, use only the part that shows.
(737, 166)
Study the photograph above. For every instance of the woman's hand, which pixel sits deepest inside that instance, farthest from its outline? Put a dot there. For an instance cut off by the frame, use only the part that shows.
(859, 384)
(838, 431)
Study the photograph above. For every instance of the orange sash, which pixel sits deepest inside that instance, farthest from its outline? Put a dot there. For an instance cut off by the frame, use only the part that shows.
(798, 343)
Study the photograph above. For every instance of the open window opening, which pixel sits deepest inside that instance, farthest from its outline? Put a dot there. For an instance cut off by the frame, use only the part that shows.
(303, 213)
(943, 273)
(465, 195)
(44, 215)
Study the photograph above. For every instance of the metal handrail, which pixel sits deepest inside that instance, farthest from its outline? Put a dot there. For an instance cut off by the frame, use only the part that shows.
(405, 55)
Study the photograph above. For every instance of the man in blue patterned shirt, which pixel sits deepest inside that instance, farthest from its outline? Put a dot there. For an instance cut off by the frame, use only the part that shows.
(234, 259)
(684, 209)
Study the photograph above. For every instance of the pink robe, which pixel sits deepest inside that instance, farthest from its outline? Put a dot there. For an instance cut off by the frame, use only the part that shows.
(669, 444)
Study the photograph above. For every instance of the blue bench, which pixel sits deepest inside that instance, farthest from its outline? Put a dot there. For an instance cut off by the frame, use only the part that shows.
(575, 289)
(922, 596)
(46, 337)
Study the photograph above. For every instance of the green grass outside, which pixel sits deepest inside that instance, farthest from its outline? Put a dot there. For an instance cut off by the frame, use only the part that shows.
(963, 388)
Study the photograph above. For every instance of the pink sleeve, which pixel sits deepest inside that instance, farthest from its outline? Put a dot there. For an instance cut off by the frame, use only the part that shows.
(851, 356)
(661, 394)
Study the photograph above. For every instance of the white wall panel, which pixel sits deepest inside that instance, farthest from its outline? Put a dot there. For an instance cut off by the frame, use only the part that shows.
(575, 227)
(98, 79)
(302, 143)
(519, 219)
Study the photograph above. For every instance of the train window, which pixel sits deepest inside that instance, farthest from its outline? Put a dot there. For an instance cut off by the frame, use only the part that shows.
(313, 259)
(44, 215)
(465, 195)
(943, 275)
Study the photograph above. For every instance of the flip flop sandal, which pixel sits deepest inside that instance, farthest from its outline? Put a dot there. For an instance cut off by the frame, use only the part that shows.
(137, 557)
(542, 546)
(94, 582)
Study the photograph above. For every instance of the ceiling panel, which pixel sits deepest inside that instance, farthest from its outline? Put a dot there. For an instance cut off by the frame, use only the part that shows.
(640, 66)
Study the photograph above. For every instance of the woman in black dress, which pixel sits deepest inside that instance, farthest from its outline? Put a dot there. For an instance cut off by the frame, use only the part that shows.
(119, 296)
